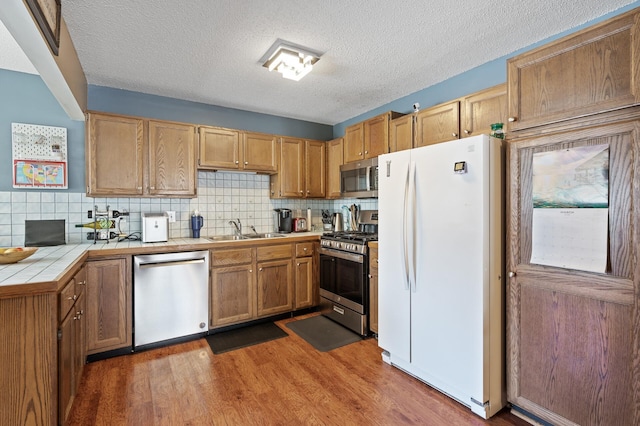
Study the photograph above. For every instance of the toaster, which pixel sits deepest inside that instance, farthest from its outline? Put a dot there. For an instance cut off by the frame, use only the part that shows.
(155, 227)
(299, 224)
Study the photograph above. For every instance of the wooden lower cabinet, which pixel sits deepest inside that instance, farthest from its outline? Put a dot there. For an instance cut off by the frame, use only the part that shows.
(71, 342)
(264, 280)
(304, 294)
(275, 279)
(275, 287)
(109, 304)
(231, 295)
(305, 287)
(373, 287)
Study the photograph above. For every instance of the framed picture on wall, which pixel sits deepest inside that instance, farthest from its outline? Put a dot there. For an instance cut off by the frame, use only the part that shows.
(47, 15)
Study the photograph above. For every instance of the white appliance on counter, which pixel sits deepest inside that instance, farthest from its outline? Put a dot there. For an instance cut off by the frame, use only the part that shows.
(170, 296)
(441, 268)
(155, 227)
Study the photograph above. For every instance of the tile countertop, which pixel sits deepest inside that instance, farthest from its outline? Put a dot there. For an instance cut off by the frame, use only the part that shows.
(42, 271)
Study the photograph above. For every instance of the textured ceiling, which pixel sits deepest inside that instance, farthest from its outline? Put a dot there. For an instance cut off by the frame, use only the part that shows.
(374, 51)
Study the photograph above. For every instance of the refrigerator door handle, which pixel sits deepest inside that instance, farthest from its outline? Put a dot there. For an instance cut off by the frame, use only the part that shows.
(404, 230)
(412, 224)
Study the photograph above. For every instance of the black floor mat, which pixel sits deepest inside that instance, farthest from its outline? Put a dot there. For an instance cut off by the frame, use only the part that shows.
(243, 337)
(322, 333)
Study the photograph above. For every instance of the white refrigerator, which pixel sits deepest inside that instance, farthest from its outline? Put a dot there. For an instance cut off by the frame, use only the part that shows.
(441, 273)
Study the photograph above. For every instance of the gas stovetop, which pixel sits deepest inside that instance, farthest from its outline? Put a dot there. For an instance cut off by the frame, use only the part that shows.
(350, 241)
(351, 236)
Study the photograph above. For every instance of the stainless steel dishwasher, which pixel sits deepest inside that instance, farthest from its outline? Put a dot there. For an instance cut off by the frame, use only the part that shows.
(170, 296)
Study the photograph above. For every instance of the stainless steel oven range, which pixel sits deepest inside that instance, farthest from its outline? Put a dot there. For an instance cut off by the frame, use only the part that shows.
(344, 269)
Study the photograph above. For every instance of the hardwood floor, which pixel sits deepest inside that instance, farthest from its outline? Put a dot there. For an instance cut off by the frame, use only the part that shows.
(281, 382)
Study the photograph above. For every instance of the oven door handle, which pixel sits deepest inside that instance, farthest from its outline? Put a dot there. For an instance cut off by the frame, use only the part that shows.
(358, 258)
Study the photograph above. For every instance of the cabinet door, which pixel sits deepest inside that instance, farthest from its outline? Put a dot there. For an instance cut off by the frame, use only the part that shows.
(315, 169)
(376, 136)
(440, 123)
(172, 159)
(275, 287)
(109, 305)
(480, 110)
(594, 70)
(80, 341)
(373, 289)
(572, 335)
(66, 381)
(259, 152)
(354, 143)
(401, 133)
(291, 171)
(304, 291)
(232, 296)
(114, 150)
(334, 161)
(219, 148)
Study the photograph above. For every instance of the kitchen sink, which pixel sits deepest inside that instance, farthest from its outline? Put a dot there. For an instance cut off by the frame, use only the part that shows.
(264, 235)
(226, 237)
(244, 237)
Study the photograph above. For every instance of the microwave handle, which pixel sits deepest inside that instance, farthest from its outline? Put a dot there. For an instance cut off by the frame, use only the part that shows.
(368, 179)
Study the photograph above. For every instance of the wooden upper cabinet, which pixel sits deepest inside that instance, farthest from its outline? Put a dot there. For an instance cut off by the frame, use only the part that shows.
(259, 152)
(219, 148)
(129, 156)
(480, 110)
(376, 135)
(440, 123)
(291, 172)
(315, 169)
(172, 159)
(354, 143)
(334, 161)
(114, 150)
(230, 149)
(369, 138)
(401, 133)
(301, 169)
(589, 72)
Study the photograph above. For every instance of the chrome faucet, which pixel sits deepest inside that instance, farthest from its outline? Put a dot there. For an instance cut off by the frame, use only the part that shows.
(237, 225)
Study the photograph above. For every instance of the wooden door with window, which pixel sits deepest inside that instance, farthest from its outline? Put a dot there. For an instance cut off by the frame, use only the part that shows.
(573, 336)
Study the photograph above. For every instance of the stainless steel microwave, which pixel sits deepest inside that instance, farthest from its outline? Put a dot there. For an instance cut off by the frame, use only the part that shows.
(359, 179)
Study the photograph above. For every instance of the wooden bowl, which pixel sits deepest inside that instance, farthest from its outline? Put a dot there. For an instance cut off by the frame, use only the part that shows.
(15, 256)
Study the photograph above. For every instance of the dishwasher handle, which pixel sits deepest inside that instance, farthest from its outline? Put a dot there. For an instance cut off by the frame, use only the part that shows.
(171, 263)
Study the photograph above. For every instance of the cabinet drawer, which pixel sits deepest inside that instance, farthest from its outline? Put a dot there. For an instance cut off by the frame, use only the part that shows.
(231, 257)
(304, 249)
(274, 252)
(66, 299)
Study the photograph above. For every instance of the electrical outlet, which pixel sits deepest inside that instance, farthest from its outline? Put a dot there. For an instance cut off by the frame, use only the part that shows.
(172, 216)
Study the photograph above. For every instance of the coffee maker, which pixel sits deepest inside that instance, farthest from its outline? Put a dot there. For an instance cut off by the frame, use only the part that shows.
(283, 220)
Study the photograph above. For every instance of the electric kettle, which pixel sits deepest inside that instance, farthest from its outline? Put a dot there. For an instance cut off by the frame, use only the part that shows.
(336, 222)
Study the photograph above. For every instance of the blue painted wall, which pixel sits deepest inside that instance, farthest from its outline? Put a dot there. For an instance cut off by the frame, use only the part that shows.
(139, 104)
(24, 98)
(481, 77)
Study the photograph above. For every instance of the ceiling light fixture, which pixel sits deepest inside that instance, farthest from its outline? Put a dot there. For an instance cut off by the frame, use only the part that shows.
(290, 60)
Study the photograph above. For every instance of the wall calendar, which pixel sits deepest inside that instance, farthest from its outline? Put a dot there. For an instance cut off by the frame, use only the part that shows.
(39, 156)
